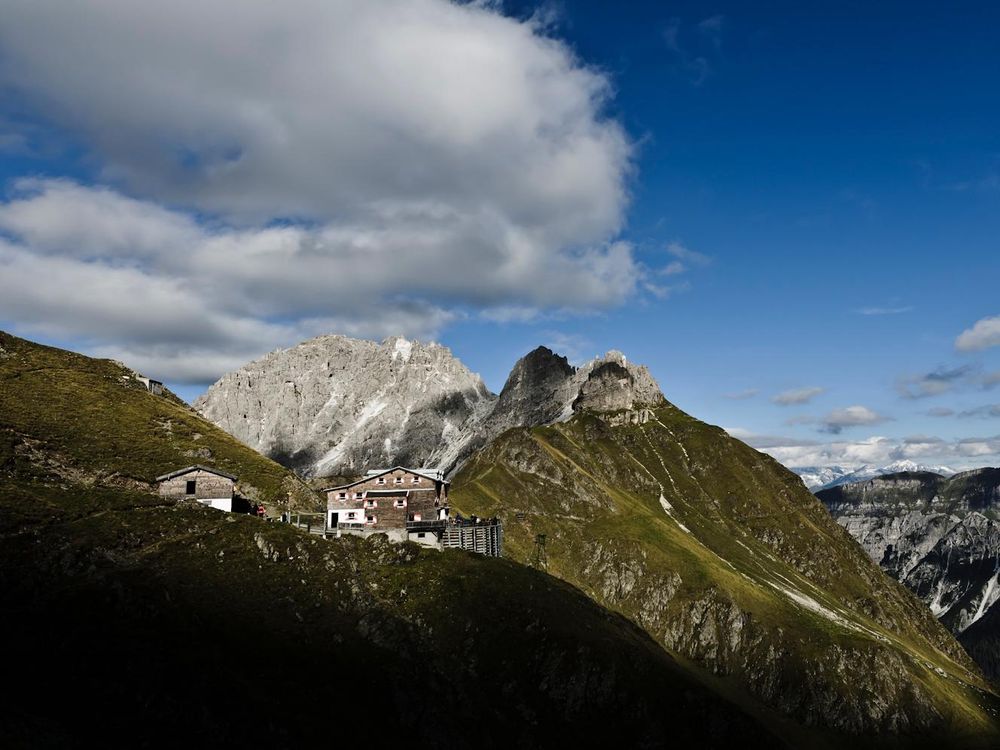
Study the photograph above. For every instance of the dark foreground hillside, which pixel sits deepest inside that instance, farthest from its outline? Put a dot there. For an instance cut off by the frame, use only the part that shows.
(131, 622)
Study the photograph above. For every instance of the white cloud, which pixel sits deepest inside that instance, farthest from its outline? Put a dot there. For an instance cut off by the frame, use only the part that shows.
(380, 167)
(684, 260)
(188, 299)
(940, 412)
(686, 255)
(851, 416)
(331, 108)
(983, 335)
(747, 393)
(885, 310)
(797, 396)
(695, 48)
(934, 383)
(879, 450)
(987, 411)
(571, 345)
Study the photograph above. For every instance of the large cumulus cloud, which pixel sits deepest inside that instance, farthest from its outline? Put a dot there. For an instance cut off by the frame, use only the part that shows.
(271, 170)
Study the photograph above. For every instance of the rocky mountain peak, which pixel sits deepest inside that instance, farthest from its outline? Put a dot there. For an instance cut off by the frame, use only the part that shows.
(537, 367)
(544, 388)
(536, 389)
(338, 405)
(612, 384)
(608, 387)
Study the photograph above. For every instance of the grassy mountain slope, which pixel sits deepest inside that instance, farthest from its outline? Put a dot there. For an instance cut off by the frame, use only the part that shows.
(726, 559)
(89, 421)
(133, 620)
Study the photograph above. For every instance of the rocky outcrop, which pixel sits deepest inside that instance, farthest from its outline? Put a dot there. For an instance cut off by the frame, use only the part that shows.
(938, 536)
(543, 388)
(339, 406)
(336, 405)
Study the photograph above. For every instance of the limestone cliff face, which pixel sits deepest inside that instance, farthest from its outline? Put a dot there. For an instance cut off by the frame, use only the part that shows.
(938, 536)
(337, 405)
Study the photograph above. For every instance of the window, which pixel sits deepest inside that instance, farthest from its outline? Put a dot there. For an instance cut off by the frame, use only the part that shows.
(190, 489)
(370, 519)
(357, 495)
(381, 480)
(399, 480)
(421, 535)
(371, 503)
(342, 496)
(415, 479)
(416, 516)
(400, 503)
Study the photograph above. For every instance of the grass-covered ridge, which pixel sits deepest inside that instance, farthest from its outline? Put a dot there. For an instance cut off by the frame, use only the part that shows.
(86, 420)
(738, 569)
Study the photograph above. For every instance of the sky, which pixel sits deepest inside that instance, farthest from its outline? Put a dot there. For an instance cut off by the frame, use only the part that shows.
(789, 211)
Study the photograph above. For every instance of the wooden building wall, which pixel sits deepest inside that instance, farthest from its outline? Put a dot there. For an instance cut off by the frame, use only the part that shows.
(421, 496)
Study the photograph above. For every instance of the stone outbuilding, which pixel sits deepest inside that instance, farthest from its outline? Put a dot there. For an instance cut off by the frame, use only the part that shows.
(202, 484)
(153, 386)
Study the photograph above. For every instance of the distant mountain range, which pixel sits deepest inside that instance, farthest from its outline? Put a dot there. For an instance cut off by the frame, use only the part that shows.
(818, 478)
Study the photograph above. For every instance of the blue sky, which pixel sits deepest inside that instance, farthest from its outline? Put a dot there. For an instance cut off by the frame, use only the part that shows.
(793, 199)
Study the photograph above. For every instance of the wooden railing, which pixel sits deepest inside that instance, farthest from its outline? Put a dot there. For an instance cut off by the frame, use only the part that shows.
(436, 524)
